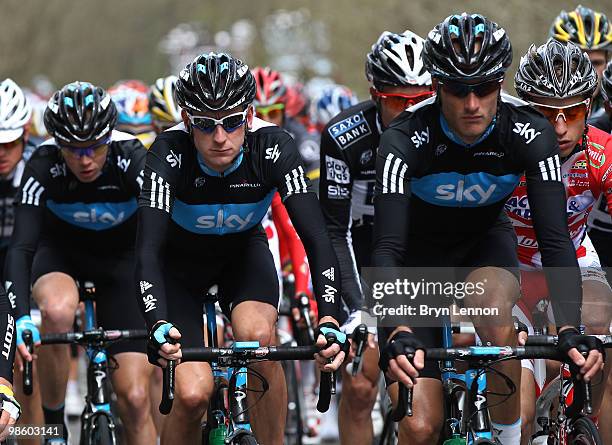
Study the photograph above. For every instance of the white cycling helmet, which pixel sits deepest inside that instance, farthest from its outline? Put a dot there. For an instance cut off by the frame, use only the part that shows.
(15, 111)
(396, 60)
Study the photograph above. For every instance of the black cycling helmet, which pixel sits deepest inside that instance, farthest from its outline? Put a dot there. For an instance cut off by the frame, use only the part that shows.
(606, 83)
(80, 112)
(467, 47)
(555, 69)
(588, 29)
(396, 60)
(214, 81)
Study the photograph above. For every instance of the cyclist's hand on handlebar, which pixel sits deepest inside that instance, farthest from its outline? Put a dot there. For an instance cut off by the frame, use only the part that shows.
(25, 323)
(11, 410)
(163, 343)
(394, 358)
(328, 333)
(570, 341)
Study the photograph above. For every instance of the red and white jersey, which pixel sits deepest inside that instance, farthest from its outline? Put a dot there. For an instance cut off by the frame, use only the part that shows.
(587, 175)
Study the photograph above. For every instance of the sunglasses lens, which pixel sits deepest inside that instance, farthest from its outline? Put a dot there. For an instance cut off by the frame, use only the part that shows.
(231, 123)
(395, 102)
(549, 113)
(204, 124)
(462, 90)
(577, 112)
(456, 89)
(484, 89)
(570, 114)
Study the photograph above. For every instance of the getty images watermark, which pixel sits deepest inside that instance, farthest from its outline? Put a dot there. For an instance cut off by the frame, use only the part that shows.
(422, 297)
(411, 290)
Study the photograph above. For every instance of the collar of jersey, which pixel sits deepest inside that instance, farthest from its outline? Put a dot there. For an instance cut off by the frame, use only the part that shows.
(453, 137)
(209, 171)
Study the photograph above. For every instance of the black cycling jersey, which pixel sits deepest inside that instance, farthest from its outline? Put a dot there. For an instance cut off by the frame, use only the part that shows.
(187, 208)
(346, 187)
(601, 120)
(430, 185)
(8, 335)
(8, 189)
(53, 204)
(307, 141)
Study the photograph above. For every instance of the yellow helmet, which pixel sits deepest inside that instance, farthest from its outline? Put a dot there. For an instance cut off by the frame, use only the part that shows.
(588, 29)
(164, 108)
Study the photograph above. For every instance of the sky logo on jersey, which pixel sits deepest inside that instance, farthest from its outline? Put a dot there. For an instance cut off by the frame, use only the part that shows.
(273, 153)
(350, 130)
(94, 215)
(528, 133)
(457, 190)
(420, 137)
(220, 219)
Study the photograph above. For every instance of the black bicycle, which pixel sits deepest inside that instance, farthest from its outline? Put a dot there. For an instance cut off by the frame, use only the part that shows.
(227, 415)
(466, 405)
(98, 426)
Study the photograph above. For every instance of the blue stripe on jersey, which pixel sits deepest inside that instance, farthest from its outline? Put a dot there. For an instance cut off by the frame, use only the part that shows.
(456, 190)
(234, 165)
(94, 215)
(220, 219)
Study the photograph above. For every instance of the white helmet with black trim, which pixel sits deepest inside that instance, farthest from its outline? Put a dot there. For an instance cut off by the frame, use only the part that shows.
(15, 111)
(396, 60)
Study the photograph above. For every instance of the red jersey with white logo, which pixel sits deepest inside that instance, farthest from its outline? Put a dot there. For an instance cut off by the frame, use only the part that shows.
(587, 174)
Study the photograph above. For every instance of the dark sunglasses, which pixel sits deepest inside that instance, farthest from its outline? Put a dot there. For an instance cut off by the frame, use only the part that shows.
(89, 151)
(229, 123)
(459, 89)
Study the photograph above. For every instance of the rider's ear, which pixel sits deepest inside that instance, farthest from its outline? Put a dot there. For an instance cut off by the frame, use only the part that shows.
(186, 121)
(249, 116)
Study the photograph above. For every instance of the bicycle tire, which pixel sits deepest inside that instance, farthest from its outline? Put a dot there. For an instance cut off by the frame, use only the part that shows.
(101, 433)
(294, 426)
(247, 439)
(584, 432)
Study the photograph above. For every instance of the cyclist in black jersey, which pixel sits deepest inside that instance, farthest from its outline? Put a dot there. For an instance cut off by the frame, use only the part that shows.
(208, 183)
(444, 171)
(15, 149)
(15, 112)
(349, 143)
(75, 220)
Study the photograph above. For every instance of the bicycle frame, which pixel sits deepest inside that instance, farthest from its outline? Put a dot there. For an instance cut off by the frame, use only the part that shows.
(230, 384)
(98, 392)
(476, 396)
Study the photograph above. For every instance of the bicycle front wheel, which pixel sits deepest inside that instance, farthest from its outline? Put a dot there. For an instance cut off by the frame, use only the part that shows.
(101, 433)
(247, 439)
(584, 432)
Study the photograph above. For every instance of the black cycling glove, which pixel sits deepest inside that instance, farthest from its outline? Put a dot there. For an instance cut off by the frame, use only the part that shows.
(402, 343)
(571, 338)
(333, 334)
(158, 335)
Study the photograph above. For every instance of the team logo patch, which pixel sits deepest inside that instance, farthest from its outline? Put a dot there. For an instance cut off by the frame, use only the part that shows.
(440, 149)
(596, 157)
(337, 170)
(365, 157)
(349, 130)
(580, 164)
